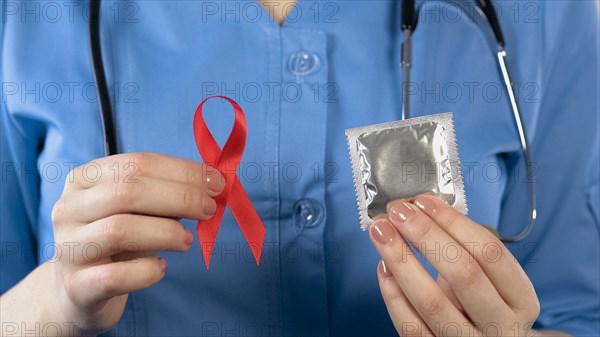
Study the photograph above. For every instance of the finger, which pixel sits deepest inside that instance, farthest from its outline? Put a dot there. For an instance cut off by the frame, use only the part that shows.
(147, 196)
(503, 270)
(128, 233)
(405, 317)
(128, 167)
(95, 284)
(420, 289)
(447, 289)
(132, 255)
(474, 290)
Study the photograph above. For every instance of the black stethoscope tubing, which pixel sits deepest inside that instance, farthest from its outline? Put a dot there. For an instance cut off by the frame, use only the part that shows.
(106, 113)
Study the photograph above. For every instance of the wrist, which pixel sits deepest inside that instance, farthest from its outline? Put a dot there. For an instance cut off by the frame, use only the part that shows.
(65, 312)
(38, 306)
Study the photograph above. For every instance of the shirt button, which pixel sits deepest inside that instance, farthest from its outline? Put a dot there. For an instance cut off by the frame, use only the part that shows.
(303, 62)
(308, 213)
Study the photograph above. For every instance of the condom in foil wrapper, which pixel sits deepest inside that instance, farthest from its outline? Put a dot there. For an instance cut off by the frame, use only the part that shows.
(402, 159)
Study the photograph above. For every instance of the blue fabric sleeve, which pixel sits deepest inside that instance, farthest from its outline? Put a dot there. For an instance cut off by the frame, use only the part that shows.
(565, 262)
(20, 142)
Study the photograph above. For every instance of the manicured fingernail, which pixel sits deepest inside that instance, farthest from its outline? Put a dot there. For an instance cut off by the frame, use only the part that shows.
(426, 204)
(189, 237)
(389, 204)
(400, 212)
(162, 263)
(383, 231)
(215, 182)
(209, 205)
(384, 269)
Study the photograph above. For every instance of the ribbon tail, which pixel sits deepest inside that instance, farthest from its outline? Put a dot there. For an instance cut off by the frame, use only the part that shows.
(244, 213)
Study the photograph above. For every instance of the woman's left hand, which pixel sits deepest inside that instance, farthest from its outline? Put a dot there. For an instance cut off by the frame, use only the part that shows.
(481, 289)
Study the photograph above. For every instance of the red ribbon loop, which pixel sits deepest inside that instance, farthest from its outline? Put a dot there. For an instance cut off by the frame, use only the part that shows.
(227, 161)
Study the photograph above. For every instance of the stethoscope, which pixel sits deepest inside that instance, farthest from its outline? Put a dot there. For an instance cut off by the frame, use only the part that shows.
(484, 16)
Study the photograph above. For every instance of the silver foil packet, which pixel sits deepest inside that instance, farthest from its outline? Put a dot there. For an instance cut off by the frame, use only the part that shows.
(402, 159)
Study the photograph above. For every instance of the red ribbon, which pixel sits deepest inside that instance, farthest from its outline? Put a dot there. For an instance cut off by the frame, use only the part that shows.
(227, 161)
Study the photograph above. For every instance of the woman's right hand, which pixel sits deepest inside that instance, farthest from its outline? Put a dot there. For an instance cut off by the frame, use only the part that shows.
(114, 215)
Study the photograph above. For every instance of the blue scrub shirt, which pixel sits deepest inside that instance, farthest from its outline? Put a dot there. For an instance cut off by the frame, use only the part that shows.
(330, 66)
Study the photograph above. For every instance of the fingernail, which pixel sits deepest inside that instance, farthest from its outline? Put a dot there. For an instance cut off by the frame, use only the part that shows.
(384, 269)
(209, 205)
(389, 204)
(383, 231)
(162, 263)
(400, 212)
(215, 182)
(189, 237)
(426, 204)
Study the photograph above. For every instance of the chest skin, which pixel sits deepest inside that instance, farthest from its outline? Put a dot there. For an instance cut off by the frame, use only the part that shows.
(279, 10)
